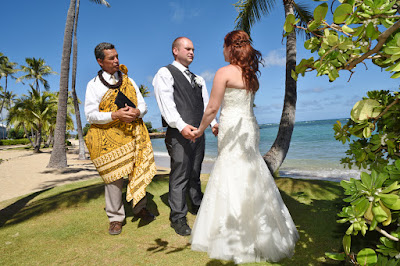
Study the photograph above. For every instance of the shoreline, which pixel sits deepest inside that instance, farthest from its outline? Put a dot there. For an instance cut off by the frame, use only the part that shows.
(23, 172)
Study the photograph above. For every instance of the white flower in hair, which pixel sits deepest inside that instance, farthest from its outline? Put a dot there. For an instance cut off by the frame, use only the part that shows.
(197, 80)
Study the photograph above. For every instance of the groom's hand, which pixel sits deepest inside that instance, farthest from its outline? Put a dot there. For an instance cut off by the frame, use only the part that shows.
(187, 132)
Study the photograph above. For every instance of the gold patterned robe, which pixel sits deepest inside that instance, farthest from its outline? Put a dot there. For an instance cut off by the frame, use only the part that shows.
(118, 149)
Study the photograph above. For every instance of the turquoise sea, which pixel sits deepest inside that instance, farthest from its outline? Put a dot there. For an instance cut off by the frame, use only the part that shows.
(314, 153)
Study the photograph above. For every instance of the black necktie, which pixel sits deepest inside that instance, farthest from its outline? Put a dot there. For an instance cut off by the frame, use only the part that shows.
(191, 76)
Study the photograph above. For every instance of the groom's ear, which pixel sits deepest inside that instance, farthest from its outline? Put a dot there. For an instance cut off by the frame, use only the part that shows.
(175, 51)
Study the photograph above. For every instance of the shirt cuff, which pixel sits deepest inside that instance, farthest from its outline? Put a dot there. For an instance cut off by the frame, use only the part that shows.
(213, 123)
(180, 125)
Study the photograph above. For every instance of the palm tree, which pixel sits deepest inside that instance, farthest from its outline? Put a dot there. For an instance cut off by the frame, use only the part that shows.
(58, 157)
(73, 91)
(249, 12)
(33, 111)
(37, 70)
(144, 91)
(6, 70)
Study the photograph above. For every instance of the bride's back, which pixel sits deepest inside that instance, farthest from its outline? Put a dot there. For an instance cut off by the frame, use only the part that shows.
(235, 78)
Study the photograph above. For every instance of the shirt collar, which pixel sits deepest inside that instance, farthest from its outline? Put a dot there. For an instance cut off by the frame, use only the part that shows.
(179, 66)
(107, 76)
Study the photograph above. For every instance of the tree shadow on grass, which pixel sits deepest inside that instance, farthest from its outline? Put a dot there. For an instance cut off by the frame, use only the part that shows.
(21, 211)
(8, 212)
(163, 246)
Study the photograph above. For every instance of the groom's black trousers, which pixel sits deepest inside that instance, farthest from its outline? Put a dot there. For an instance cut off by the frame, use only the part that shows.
(186, 160)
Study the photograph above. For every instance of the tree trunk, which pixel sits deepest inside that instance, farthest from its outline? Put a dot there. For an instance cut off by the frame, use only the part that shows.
(4, 100)
(58, 157)
(49, 139)
(73, 83)
(38, 140)
(277, 154)
(27, 135)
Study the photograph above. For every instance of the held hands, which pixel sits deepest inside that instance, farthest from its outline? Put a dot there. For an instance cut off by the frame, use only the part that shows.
(126, 114)
(214, 129)
(187, 132)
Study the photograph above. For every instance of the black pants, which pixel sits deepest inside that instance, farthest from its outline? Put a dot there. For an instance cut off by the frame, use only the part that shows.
(186, 160)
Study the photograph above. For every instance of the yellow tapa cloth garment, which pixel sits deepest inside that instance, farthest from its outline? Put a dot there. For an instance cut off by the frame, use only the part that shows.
(118, 149)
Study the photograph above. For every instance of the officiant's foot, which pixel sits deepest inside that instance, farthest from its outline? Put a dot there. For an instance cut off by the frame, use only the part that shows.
(181, 227)
(145, 215)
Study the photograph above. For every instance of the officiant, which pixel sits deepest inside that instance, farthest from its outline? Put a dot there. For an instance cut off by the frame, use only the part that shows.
(118, 140)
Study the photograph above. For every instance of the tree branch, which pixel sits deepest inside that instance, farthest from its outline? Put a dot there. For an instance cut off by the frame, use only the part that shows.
(383, 232)
(385, 111)
(381, 41)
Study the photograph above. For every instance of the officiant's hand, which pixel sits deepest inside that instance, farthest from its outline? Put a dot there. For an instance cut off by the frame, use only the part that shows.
(125, 114)
(187, 132)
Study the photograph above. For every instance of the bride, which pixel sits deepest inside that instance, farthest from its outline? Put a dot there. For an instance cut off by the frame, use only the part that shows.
(242, 216)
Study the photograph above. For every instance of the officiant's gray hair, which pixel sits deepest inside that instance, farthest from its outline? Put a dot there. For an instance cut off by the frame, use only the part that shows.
(99, 50)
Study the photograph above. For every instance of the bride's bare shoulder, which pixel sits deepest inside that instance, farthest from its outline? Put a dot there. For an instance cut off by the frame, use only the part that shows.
(229, 69)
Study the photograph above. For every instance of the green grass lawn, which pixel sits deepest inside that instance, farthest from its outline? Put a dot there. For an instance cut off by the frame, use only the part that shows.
(68, 225)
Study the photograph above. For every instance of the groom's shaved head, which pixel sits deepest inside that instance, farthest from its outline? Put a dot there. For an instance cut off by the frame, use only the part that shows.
(177, 42)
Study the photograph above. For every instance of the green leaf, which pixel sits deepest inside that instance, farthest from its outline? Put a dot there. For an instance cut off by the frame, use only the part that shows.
(366, 179)
(367, 256)
(364, 110)
(397, 162)
(313, 25)
(332, 40)
(395, 76)
(341, 13)
(367, 132)
(379, 214)
(347, 244)
(294, 75)
(370, 30)
(347, 29)
(288, 26)
(388, 199)
(320, 12)
(361, 207)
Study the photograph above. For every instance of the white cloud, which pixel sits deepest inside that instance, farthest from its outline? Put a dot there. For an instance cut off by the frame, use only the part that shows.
(208, 75)
(180, 13)
(275, 58)
(177, 12)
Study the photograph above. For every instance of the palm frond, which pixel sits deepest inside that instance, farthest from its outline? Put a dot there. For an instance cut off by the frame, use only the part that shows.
(101, 2)
(251, 11)
(302, 12)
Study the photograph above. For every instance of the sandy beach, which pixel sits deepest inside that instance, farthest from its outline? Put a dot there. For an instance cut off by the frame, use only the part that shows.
(23, 172)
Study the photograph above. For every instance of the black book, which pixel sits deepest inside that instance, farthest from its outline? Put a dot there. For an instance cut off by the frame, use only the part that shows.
(121, 100)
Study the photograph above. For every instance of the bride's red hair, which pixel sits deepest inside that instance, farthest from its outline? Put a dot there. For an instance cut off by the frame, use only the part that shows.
(245, 56)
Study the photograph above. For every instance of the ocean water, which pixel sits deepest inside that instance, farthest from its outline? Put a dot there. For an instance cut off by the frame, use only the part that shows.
(313, 154)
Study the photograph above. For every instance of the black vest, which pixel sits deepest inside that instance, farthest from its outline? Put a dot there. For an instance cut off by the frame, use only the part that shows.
(188, 100)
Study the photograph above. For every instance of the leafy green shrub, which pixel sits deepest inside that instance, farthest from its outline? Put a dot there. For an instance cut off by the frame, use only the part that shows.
(13, 141)
(363, 30)
(15, 134)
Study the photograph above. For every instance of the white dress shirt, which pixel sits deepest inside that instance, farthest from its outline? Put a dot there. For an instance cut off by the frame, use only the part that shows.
(163, 84)
(95, 91)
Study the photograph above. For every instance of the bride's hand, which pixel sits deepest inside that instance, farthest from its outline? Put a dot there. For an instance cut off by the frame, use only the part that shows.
(197, 134)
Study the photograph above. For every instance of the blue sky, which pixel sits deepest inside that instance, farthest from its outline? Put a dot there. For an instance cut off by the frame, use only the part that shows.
(143, 32)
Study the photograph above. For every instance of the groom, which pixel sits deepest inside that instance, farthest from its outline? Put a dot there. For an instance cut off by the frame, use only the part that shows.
(182, 97)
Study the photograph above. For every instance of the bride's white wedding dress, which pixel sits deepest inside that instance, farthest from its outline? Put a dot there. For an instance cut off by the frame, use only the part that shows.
(242, 216)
